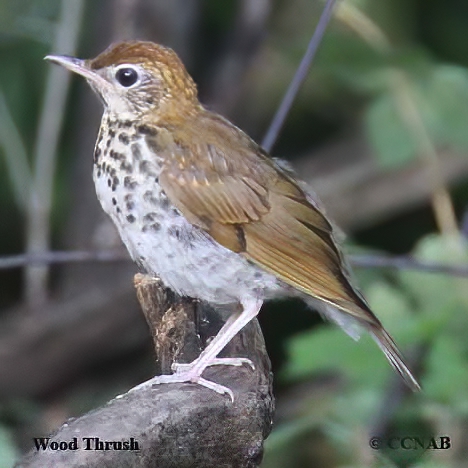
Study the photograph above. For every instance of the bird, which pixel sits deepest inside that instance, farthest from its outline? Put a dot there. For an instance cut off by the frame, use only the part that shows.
(200, 205)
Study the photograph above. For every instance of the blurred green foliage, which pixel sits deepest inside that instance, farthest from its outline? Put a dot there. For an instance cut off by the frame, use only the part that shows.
(429, 311)
(414, 101)
(441, 96)
(8, 451)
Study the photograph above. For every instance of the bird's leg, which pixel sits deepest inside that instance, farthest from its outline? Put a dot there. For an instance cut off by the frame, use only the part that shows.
(233, 325)
(192, 372)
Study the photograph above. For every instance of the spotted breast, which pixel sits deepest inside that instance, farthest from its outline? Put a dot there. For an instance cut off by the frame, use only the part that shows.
(160, 240)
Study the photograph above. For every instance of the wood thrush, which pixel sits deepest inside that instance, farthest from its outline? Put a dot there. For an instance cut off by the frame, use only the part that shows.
(200, 205)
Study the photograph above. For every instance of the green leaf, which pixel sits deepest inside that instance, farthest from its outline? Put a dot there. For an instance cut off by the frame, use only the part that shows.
(391, 140)
(8, 452)
(432, 464)
(328, 348)
(443, 98)
(439, 297)
(391, 306)
(437, 248)
(446, 377)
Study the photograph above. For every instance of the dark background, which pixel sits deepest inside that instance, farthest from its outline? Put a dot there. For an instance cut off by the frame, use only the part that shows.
(380, 131)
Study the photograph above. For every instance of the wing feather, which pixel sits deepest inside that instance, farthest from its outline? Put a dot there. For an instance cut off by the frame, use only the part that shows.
(251, 206)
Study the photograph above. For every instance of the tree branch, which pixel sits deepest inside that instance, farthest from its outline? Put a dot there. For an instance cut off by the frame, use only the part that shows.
(178, 424)
(45, 153)
(399, 262)
(299, 78)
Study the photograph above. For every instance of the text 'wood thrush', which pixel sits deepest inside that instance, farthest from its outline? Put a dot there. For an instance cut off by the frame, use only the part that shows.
(200, 205)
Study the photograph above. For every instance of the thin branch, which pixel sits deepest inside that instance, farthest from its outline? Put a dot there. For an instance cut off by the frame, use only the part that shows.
(410, 113)
(299, 78)
(16, 156)
(45, 154)
(48, 258)
(407, 263)
(401, 262)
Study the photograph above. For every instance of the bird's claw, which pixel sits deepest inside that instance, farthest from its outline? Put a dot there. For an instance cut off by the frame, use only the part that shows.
(237, 361)
(186, 377)
(191, 373)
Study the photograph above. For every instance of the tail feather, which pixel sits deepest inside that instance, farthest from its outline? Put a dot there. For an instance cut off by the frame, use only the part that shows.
(353, 326)
(388, 346)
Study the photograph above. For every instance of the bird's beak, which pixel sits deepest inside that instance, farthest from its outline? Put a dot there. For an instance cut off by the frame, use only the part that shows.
(75, 65)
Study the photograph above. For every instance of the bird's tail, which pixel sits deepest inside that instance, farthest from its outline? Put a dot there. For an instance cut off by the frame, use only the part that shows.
(354, 326)
(392, 353)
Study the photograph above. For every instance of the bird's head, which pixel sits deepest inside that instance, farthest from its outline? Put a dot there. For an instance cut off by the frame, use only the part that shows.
(135, 78)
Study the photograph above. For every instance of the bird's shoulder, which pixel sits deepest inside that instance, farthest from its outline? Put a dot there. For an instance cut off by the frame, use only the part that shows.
(213, 170)
(208, 146)
(224, 183)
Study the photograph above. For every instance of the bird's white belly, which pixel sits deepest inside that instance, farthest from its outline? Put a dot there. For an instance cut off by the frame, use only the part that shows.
(160, 239)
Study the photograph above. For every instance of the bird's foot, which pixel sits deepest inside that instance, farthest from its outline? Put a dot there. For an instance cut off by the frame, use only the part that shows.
(191, 373)
(238, 361)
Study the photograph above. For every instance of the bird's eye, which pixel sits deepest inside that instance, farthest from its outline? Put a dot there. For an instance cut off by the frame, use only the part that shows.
(126, 76)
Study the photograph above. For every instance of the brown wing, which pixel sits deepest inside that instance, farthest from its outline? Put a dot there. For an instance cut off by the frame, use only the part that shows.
(249, 205)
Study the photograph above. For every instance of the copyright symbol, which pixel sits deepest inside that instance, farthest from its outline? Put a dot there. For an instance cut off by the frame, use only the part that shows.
(375, 443)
